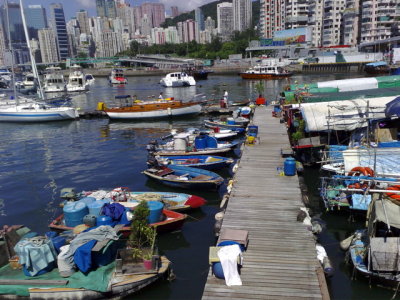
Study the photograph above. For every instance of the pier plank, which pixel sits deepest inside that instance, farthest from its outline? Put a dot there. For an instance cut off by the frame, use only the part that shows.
(280, 261)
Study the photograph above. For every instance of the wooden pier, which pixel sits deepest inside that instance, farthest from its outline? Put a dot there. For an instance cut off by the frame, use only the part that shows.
(280, 261)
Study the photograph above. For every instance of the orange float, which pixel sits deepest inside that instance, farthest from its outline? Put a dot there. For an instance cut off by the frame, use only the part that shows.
(358, 171)
(394, 195)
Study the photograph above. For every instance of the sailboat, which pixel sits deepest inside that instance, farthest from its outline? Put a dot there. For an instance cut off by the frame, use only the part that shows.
(32, 111)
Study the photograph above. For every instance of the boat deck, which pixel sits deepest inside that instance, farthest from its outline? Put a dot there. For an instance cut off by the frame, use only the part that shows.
(280, 261)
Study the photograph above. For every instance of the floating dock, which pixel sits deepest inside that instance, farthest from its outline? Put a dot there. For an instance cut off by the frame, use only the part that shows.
(280, 261)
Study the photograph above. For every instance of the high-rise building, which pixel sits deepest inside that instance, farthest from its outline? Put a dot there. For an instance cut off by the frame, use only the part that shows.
(16, 28)
(110, 44)
(296, 13)
(379, 20)
(48, 45)
(350, 21)
(225, 19)
(187, 31)
(58, 25)
(2, 46)
(332, 22)
(242, 12)
(272, 17)
(209, 24)
(174, 11)
(36, 19)
(126, 14)
(155, 13)
(83, 21)
(199, 17)
(315, 21)
(145, 25)
(106, 8)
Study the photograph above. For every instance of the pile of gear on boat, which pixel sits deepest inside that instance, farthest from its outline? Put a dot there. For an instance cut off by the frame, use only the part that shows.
(363, 175)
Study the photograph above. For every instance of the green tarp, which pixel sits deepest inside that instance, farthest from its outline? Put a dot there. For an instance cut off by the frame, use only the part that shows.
(296, 86)
(388, 81)
(96, 280)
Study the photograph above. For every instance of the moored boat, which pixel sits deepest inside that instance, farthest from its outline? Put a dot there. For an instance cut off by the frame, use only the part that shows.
(378, 67)
(117, 77)
(230, 123)
(185, 177)
(136, 109)
(205, 162)
(77, 80)
(265, 72)
(54, 80)
(177, 79)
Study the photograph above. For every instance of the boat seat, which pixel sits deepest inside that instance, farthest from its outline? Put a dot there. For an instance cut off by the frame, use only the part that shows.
(202, 177)
(164, 172)
(192, 161)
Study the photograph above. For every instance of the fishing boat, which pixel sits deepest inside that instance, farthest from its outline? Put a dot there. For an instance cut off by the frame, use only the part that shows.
(265, 72)
(205, 162)
(171, 201)
(218, 133)
(29, 81)
(117, 77)
(378, 67)
(198, 72)
(171, 221)
(185, 177)
(177, 79)
(185, 144)
(54, 80)
(237, 124)
(77, 80)
(374, 251)
(114, 273)
(163, 108)
(89, 79)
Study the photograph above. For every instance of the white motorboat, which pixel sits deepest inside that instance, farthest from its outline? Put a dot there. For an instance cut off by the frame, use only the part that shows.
(54, 80)
(177, 79)
(77, 80)
(5, 74)
(89, 79)
(117, 77)
(29, 81)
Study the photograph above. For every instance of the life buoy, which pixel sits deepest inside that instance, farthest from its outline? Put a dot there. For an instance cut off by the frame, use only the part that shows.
(358, 171)
(394, 195)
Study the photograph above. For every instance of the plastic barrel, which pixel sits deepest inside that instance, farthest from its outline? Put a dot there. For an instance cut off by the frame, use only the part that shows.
(231, 121)
(87, 200)
(217, 270)
(228, 243)
(289, 167)
(200, 142)
(95, 207)
(74, 213)
(155, 208)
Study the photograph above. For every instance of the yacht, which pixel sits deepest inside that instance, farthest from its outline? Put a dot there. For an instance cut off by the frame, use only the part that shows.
(89, 79)
(117, 77)
(54, 80)
(177, 79)
(76, 80)
(29, 80)
(5, 74)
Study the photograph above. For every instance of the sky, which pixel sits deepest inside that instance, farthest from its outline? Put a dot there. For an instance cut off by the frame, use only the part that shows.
(72, 6)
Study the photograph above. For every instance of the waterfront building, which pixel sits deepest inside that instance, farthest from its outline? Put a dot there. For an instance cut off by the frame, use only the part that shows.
(73, 32)
(209, 24)
(199, 18)
(174, 11)
(83, 21)
(155, 13)
(106, 8)
(35, 48)
(110, 44)
(296, 13)
(332, 22)
(272, 17)
(315, 21)
(164, 35)
(117, 25)
(225, 20)
(126, 14)
(48, 45)
(16, 29)
(205, 37)
(59, 26)
(145, 25)
(242, 14)
(350, 22)
(379, 20)
(37, 19)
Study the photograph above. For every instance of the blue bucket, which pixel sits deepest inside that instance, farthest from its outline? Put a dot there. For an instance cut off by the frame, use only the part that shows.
(74, 213)
(104, 220)
(200, 142)
(155, 208)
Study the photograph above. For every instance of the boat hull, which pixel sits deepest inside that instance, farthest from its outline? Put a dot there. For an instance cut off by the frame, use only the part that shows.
(215, 165)
(37, 116)
(265, 76)
(212, 124)
(198, 152)
(161, 113)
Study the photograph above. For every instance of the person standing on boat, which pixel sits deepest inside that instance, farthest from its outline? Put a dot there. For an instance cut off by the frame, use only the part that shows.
(161, 97)
(225, 98)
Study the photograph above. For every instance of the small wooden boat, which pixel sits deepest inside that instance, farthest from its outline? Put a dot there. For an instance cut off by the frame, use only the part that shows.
(240, 103)
(118, 278)
(172, 221)
(235, 124)
(123, 195)
(185, 177)
(136, 109)
(205, 162)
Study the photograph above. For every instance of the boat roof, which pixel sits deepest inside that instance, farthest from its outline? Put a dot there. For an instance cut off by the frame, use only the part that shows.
(377, 64)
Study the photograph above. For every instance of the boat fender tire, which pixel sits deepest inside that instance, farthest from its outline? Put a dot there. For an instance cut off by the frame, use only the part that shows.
(394, 195)
(358, 171)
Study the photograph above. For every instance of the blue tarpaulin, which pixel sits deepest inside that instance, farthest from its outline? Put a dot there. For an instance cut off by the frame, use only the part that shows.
(393, 108)
(376, 64)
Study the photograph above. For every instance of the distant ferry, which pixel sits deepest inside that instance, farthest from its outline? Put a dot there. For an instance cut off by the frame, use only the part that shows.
(265, 72)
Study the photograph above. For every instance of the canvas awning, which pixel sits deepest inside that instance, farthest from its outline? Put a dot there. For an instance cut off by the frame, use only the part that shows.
(387, 212)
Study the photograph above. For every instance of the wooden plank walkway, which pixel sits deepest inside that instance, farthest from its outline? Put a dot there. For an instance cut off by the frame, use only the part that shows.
(280, 261)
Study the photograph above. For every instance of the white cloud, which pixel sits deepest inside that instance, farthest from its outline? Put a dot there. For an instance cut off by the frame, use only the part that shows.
(184, 5)
(87, 3)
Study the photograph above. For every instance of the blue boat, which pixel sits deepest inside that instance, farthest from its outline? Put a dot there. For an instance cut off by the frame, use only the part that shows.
(205, 162)
(185, 177)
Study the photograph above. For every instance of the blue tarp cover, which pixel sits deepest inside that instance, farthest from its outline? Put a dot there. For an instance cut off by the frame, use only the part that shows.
(376, 64)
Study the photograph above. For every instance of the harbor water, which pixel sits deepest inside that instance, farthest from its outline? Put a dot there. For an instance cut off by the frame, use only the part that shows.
(38, 160)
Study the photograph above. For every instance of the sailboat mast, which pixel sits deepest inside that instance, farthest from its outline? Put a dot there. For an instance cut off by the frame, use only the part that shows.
(12, 54)
(33, 62)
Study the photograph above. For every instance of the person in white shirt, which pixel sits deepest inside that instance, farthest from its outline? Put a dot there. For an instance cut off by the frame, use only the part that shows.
(161, 96)
(226, 98)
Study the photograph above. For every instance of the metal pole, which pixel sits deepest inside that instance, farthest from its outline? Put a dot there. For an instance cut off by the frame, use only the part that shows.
(12, 54)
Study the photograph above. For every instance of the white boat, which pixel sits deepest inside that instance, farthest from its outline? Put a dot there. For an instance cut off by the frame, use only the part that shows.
(54, 80)
(265, 72)
(29, 80)
(34, 111)
(77, 80)
(5, 74)
(177, 79)
(117, 77)
(89, 79)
